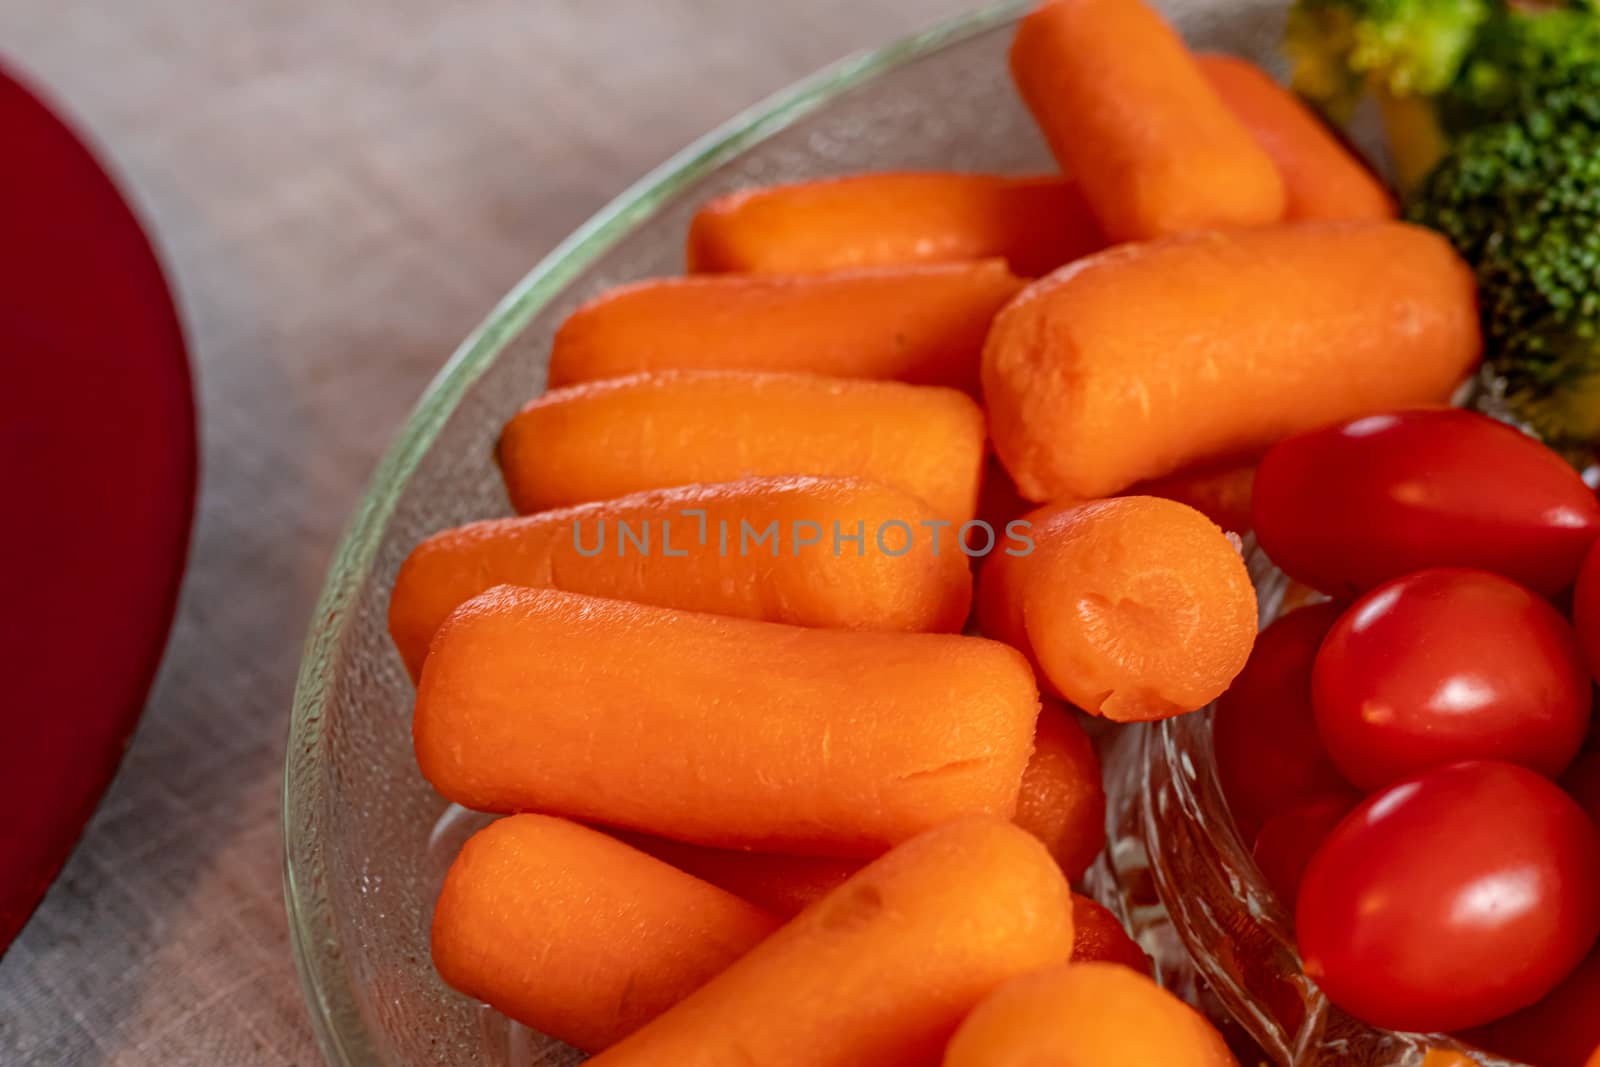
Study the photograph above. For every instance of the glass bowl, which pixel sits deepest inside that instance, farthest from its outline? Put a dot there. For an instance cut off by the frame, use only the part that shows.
(366, 839)
(1181, 876)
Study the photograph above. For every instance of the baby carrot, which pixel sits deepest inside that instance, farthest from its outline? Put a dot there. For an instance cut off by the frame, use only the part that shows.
(998, 500)
(1240, 338)
(1321, 178)
(923, 324)
(1442, 1057)
(997, 600)
(680, 548)
(716, 730)
(578, 935)
(1220, 491)
(1061, 802)
(1099, 936)
(607, 439)
(782, 885)
(1063, 799)
(882, 969)
(1086, 1015)
(1035, 223)
(1134, 608)
(1128, 113)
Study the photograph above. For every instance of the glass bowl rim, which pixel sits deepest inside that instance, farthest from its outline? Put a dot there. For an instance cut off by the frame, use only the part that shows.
(325, 981)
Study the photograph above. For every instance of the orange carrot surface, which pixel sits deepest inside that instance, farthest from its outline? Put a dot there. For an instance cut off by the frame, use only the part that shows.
(578, 935)
(1061, 802)
(997, 601)
(923, 324)
(1063, 798)
(719, 731)
(1439, 1057)
(1035, 223)
(1128, 113)
(1322, 179)
(998, 500)
(607, 439)
(1134, 608)
(1219, 491)
(1099, 936)
(1086, 1015)
(782, 885)
(1149, 358)
(692, 548)
(881, 970)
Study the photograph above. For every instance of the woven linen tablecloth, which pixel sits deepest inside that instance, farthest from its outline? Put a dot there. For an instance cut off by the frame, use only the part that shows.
(341, 191)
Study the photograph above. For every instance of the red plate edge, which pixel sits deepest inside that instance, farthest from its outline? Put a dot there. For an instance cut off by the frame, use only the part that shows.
(98, 474)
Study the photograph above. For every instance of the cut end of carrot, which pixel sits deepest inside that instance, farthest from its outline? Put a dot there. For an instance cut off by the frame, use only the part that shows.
(1135, 608)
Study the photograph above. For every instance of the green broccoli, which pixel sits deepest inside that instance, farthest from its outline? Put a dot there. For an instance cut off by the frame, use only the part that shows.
(1436, 68)
(1342, 49)
(1521, 202)
(1401, 53)
(1538, 68)
(1493, 116)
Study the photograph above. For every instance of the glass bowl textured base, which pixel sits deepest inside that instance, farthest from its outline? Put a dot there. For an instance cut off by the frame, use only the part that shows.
(1179, 874)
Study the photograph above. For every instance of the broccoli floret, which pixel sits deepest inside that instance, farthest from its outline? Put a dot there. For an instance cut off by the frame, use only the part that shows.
(1400, 53)
(1342, 49)
(1538, 68)
(1437, 68)
(1521, 202)
(1493, 114)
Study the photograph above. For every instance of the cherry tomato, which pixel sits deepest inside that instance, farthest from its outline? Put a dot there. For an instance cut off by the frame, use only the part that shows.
(1348, 507)
(1451, 899)
(1269, 758)
(1560, 1030)
(1287, 842)
(1446, 665)
(1582, 782)
(1586, 609)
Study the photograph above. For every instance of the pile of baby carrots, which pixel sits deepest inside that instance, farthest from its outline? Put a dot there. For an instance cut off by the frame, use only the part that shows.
(768, 797)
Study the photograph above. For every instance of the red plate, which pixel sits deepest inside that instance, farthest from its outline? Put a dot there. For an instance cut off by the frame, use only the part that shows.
(97, 482)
